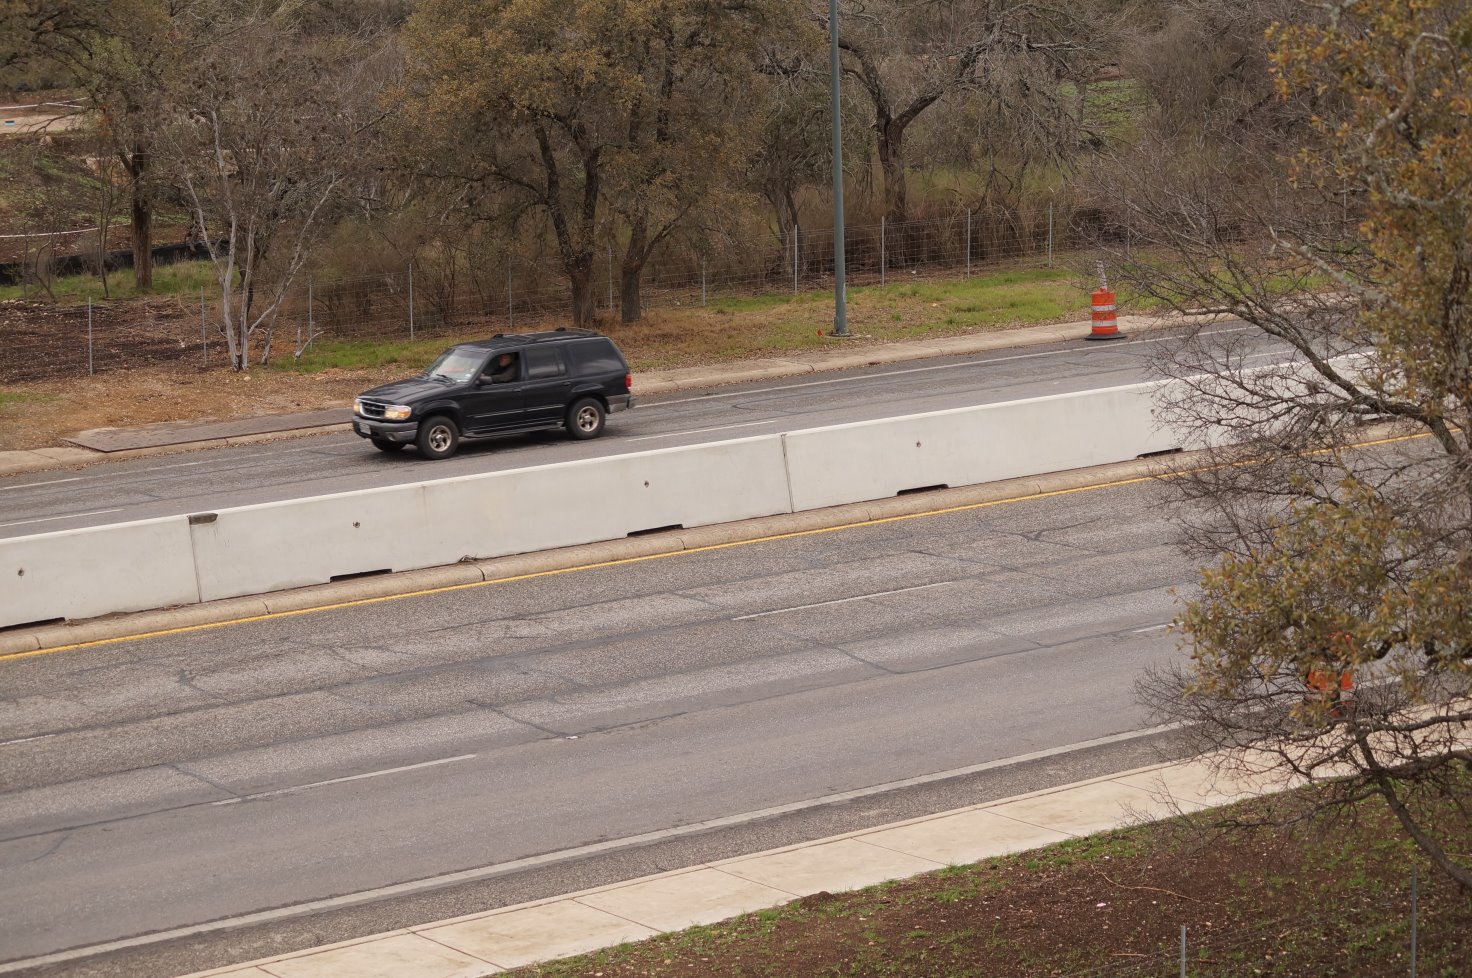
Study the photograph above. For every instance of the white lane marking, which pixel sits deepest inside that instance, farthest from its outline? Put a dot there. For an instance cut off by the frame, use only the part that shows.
(286, 451)
(25, 740)
(151, 468)
(68, 516)
(861, 597)
(1151, 628)
(576, 852)
(912, 370)
(701, 431)
(33, 485)
(351, 777)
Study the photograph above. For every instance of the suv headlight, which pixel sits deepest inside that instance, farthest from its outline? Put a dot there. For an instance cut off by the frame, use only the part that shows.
(397, 412)
(357, 405)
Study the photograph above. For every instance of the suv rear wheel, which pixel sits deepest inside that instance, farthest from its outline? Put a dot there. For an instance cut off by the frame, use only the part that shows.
(438, 437)
(585, 419)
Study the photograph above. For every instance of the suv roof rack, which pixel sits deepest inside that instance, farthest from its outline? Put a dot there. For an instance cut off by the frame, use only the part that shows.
(546, 336)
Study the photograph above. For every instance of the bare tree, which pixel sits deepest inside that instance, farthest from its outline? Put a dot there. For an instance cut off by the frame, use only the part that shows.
(267, 133)
(792, 142)
(907, 57)
(1332, 639)
(105, 201)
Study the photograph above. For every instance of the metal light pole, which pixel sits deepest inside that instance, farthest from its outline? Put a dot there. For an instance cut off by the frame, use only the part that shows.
(840, 319)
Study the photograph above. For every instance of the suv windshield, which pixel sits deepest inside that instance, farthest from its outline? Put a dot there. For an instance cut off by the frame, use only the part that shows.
(456, 364)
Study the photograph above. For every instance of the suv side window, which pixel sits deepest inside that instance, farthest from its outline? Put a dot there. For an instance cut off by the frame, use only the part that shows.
(543, 362)
(596, 356)
(503, 368)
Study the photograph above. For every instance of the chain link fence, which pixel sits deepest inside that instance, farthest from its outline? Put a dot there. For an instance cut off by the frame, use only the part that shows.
(425, 300)
(1412, 932)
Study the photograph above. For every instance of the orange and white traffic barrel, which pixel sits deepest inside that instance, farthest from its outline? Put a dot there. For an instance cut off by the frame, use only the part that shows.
(1105, 325)
(1320, 689)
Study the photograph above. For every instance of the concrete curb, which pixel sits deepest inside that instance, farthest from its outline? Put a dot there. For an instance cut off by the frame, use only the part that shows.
(663, 382)
(42, 638)
(70, 457)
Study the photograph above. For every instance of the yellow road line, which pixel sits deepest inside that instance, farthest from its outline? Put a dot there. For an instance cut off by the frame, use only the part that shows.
(362, 602)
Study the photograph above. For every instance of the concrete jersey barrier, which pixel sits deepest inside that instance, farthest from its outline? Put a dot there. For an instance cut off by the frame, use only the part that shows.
(96, 571)
(964, 446)
(274, 546)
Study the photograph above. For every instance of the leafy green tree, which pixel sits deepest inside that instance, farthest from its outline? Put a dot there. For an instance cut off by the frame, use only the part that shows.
(33, 30)
(122, 53)
(1337, 562)
(130, 60)
(599, 116)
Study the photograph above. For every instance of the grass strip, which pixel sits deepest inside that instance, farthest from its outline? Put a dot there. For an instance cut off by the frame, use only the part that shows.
(1329, 897)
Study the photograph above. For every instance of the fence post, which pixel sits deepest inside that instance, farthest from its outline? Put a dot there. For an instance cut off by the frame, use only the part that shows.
(89, 337)
(1183, 951)
(510, 298)
(883, 258)
(702, 282)
(204, 336)
(1050, 234)
(968, 242)
(411, 302)
(795, 243)
(1413, 920)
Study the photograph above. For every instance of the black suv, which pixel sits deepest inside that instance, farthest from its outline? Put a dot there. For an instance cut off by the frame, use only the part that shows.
(569, 378)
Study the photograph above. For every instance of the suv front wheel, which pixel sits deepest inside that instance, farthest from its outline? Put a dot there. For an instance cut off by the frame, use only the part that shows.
(585, 419)
(438, 437)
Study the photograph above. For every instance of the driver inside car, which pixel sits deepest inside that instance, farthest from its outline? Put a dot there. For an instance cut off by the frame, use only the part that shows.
(504, 370)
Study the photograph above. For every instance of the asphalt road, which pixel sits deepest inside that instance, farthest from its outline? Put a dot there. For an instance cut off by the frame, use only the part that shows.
(208, 480)
(540, 736)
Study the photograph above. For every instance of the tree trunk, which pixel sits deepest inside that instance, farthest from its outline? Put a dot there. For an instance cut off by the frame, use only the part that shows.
(892, 162)
(900, 250)
(142, 222)
(631, 308)
(580, 278)
(631, 272)
(784, 206)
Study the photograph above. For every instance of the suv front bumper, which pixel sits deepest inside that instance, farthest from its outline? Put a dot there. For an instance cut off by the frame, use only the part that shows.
(403, 431)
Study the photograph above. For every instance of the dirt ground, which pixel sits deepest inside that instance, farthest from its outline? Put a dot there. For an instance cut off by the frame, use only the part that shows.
(42, 414)
(1329, 900)
(47, 394)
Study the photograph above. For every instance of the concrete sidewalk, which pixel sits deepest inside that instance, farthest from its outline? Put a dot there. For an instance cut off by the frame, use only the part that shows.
(108, 444)
(486, 943)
